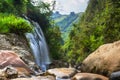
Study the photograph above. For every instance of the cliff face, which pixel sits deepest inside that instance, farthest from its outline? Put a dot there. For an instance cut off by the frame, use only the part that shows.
(99, 24)
(16, 43)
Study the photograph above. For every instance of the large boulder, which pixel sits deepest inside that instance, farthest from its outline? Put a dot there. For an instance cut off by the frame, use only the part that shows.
(105, 60)
(11, 58)
(37, 78)
(88, 76)
(62, 73)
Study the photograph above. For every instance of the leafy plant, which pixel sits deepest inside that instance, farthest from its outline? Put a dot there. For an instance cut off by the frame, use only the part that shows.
(16, 7)
(12, 24)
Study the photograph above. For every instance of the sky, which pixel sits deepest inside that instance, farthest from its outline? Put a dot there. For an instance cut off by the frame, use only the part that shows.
(67, 6)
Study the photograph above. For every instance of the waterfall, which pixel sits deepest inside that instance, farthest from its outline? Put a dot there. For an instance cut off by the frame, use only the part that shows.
(39, 47)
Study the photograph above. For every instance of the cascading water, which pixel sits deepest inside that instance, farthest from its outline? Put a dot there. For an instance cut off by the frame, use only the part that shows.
(39, 47)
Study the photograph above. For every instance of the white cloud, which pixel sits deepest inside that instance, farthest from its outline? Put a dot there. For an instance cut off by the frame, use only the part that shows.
(67, 6)
(48, 1)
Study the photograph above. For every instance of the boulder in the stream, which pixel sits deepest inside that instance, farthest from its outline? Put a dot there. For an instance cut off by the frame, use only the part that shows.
(115, 76)
(11, 58)
(62, 73)
(105, 60)
(37, 78)
(88, 76)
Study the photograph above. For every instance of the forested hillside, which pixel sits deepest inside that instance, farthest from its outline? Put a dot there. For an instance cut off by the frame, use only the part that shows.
(65, 22)
(99, 24)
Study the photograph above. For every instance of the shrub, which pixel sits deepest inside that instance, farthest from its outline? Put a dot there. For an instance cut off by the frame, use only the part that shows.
(17, 7)
(12, 24)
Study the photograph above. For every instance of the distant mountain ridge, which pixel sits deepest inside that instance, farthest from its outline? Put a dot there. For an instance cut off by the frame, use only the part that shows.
(56, 15)
(65, 22)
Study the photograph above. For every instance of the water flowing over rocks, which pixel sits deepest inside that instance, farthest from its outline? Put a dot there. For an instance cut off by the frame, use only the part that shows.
(17, 63)
(105, 60)
(39, 46)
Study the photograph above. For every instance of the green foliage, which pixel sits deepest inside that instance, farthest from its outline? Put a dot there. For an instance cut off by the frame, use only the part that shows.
(54, 42)
(43, 18)
(99, 24)
(65, 22)
(13, 24)
(16, 7)
(20, 6)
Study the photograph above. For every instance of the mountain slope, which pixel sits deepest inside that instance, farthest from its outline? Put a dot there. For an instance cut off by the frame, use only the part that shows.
(65, 22)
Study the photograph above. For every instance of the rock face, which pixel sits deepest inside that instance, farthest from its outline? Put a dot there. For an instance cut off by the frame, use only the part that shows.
(16, 43)
(62, 73)
(11, 58)
(105, 60)
(88, 76)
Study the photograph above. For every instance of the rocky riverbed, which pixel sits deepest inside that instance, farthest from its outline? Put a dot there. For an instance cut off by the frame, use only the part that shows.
(17, 63)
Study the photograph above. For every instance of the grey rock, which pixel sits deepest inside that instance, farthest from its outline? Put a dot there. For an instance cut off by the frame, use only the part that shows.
(115, 76)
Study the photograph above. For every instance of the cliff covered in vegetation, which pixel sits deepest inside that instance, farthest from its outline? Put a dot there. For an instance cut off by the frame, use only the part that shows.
(99, 24)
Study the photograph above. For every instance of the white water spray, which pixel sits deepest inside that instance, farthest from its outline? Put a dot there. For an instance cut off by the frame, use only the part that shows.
(39, 47)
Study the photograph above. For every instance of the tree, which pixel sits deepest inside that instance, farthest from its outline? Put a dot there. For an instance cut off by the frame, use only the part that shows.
(17, 7)
(54, 42)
